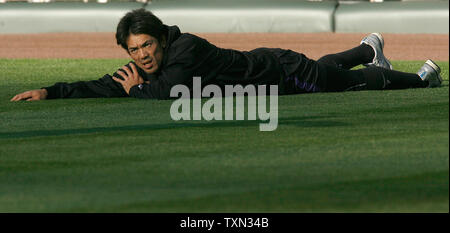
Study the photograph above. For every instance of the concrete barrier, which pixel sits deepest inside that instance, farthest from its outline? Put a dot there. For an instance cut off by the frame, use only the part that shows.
(62, 17)
(233, 16)
(246, 15)
(190, 15)
(393, 17)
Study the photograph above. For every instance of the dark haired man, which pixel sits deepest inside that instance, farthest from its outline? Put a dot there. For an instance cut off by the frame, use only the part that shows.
(164, 57)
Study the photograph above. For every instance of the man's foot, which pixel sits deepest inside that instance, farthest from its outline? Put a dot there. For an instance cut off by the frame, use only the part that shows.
(431, 72)
(376, 41)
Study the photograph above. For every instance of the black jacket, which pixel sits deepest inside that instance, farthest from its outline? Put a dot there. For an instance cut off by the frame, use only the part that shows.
(188, 56)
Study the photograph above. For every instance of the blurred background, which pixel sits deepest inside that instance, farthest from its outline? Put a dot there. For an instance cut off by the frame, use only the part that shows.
(104, 1)
(231, 16)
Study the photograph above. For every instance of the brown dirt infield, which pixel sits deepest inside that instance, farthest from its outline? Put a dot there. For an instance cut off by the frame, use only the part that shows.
(313, 45)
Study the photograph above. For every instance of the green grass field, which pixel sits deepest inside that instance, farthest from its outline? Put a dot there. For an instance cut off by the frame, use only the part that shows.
(368, 151)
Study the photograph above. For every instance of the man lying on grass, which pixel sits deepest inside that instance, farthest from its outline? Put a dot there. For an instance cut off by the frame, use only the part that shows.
(164, 57)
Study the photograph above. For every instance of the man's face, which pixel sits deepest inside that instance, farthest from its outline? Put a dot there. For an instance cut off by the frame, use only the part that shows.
(146, 51)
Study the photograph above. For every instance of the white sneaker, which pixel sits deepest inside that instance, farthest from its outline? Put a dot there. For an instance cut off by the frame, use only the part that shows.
(431, 72)
(376, 41)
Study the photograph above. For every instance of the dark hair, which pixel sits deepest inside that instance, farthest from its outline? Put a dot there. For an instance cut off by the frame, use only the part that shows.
(139, 21)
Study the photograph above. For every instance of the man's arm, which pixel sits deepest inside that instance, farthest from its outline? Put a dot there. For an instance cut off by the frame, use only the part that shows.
(154, 88)
(128, 78)
(134, 86)
(39, 94)
(159, 88)
(103, 87)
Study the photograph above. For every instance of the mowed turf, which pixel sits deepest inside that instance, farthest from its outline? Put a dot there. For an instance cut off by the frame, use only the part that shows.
(367, 151)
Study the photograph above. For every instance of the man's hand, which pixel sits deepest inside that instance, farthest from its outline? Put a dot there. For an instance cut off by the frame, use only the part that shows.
(131, 77)
(39, 94)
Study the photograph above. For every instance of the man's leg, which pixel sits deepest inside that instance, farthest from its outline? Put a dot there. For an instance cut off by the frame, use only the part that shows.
(313, 76)
(372, 78)
(332, 72)
(350, 58)
(368, 53)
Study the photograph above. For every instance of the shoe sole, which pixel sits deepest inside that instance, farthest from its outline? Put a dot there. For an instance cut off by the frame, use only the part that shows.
(381, 39)
(436, 68)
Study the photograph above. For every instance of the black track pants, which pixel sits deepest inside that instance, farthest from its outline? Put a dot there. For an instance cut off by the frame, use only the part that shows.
(335, 68)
